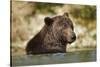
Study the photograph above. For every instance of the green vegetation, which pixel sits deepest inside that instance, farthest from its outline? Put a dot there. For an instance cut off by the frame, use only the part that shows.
(47, 7)
(85, 12)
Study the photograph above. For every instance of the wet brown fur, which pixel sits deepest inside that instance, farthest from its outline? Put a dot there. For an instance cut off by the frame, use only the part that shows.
(53, 37)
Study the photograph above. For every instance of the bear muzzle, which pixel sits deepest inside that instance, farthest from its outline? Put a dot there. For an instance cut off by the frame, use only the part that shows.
(72, 38)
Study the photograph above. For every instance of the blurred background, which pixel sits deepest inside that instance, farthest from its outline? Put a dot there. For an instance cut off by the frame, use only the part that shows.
(27, 19)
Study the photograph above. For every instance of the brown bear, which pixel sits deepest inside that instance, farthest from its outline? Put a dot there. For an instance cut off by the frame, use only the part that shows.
(57, 32)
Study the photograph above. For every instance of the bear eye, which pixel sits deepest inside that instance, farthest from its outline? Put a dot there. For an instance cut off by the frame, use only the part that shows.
(65, 24)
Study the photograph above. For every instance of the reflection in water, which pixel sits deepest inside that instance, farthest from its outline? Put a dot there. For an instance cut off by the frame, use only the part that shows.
(71, 57)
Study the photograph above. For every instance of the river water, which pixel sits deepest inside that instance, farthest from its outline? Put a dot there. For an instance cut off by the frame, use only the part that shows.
(57, 58)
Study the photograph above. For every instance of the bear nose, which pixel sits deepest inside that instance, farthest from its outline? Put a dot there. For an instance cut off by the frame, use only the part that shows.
(73, 36)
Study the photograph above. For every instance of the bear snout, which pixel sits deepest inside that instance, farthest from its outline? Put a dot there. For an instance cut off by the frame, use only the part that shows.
(73, 37)
(69, 35)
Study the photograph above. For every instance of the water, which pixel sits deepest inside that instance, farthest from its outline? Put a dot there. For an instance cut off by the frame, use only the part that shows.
(57, 58)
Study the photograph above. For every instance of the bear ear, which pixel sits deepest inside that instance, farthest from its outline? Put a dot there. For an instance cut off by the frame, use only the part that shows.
(48, 20)
(66, 14)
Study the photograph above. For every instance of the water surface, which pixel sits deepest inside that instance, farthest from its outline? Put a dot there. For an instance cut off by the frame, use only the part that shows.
(57, 58)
